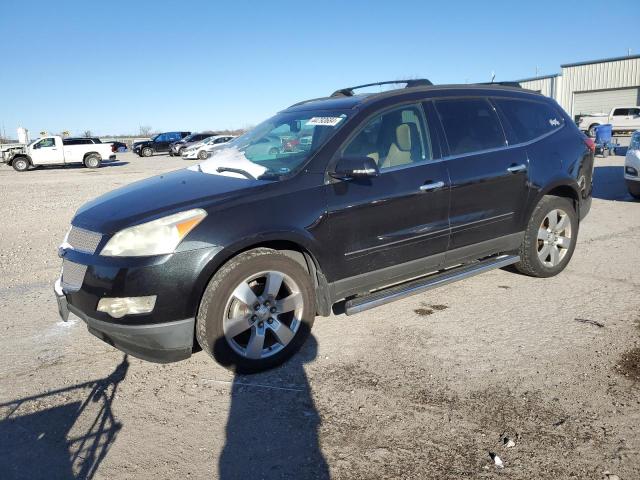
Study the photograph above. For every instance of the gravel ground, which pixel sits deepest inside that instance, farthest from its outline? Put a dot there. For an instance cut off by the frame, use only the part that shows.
(426, 387)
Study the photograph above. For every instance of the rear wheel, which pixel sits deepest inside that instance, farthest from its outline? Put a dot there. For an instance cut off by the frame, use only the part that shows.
(256, 312)
(550, 238)
(92, 161)
(20, 164)
(634, 188)
(147, 152)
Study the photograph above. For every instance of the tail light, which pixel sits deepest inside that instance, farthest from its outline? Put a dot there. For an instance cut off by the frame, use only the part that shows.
(590, 143)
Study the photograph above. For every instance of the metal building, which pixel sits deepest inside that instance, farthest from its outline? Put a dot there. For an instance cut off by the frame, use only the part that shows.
(592, 87)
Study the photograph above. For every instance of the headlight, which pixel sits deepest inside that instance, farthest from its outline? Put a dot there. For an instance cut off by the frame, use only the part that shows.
(158, 237)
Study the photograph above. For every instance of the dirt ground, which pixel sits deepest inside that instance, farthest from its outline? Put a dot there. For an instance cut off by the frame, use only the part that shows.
(427, 387)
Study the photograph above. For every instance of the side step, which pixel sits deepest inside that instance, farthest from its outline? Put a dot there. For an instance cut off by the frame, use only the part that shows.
(391, 294)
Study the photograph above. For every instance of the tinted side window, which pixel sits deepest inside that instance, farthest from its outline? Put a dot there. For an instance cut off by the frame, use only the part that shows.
(393, 139)
(69, 141)
(620, 112)
(470, 125)
(529, 119)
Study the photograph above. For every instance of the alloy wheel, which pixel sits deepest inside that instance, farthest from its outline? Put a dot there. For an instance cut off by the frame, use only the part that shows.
(263, 314)
(554, 237)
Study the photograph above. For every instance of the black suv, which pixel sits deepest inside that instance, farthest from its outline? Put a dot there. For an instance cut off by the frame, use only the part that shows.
(159, 143)
(394, 193)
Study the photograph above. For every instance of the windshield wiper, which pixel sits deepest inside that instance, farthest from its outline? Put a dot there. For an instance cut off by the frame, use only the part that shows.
(236, 170)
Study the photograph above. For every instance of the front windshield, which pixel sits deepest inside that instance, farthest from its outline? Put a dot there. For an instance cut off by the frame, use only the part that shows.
(279, 145)
(153, 139)
(33, 141)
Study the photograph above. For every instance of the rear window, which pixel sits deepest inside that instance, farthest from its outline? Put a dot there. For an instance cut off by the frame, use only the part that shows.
(470, 125)
(529, 119)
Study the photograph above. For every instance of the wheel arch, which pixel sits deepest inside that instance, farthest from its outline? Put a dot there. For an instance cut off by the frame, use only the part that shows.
(567, 188)
(84, 157)
(20, 155)
(297, 248)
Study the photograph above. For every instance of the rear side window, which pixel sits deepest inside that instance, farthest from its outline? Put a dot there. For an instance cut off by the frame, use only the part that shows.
(470, 125)
(621, 112)
(529, 119)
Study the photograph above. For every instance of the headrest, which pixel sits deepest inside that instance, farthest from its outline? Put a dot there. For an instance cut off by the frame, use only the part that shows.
(403, 137)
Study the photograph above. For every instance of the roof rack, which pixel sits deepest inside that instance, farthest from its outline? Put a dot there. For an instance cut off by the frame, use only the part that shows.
(348, 92)
(502, 84)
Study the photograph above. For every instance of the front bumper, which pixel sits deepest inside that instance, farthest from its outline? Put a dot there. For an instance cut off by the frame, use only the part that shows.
(162, 343)
(164, 335)
(191, 155)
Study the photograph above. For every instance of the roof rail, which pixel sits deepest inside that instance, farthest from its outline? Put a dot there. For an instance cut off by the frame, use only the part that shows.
(502, 84)
(348, 92)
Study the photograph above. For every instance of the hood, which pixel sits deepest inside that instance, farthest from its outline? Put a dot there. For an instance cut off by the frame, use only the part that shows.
(157, 197)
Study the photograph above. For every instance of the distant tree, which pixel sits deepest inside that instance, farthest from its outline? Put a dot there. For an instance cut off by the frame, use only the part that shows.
(145, 130)
(64, 133)
(87, 133)
(44, 133)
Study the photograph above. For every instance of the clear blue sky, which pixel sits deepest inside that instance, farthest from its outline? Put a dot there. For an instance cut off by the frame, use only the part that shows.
(111, 66)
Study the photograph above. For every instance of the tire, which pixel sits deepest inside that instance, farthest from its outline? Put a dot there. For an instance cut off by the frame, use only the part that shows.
(21, 164)
(203, 154)
(592, 130)
(147, 152)
(634, 189)
(236, 344)
(274, 151)
(170, 153)
(542, 253)
(92, 161)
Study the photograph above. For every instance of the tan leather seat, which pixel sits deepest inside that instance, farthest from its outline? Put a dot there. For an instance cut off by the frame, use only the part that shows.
(401, 150)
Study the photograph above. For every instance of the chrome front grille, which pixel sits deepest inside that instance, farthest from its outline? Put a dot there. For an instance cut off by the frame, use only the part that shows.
(83, 240)
(72, 275)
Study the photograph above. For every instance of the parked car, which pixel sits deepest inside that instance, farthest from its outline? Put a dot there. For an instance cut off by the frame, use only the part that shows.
(56, 150)
(243, 250)
(176, 148)
(632, 165)
(622, 119)
(205, 148)
(118, 147)
(159, 143)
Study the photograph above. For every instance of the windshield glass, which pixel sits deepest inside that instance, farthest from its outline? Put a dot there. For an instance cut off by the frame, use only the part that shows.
(279, 145)
(153, 139)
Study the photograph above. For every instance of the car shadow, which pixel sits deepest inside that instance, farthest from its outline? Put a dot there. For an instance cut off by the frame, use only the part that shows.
(609, 184)
(77, 166)
(272, 428)
(60, 434)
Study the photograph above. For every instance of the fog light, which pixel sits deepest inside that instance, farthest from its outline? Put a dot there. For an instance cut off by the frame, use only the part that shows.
(119, 307)
(631, 171)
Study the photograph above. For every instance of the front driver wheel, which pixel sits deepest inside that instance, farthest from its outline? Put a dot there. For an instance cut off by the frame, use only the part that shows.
(550, 238)
(256, 312)
(203, 154)
(20, 164)
(147, 152)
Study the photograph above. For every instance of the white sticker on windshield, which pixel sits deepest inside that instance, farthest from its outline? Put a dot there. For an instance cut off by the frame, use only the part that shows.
(326, 121)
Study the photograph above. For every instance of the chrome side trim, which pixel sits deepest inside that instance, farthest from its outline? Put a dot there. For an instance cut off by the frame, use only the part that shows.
(383, 297)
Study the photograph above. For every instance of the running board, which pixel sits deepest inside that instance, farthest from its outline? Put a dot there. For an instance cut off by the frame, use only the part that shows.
(391, 294)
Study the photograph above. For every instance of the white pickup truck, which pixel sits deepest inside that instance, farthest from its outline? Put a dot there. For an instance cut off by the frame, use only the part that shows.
(622, 119)
(56, 150)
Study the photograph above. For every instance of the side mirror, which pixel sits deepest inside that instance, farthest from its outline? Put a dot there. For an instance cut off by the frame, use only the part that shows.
(355, 167)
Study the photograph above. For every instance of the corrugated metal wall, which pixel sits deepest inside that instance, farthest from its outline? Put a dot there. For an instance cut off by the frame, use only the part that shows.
(590, 77)
(543, 85)
(597, 76)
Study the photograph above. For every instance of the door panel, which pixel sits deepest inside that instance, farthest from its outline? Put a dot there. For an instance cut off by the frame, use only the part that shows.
(487, 198)
(488, 178)
(47, 151)
(388, 220)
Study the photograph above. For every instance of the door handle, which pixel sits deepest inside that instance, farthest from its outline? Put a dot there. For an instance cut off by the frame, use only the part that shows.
(428, 187)
(517, 168)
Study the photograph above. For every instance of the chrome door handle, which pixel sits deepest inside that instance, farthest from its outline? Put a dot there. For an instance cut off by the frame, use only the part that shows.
(427, 187)
(517, 168)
